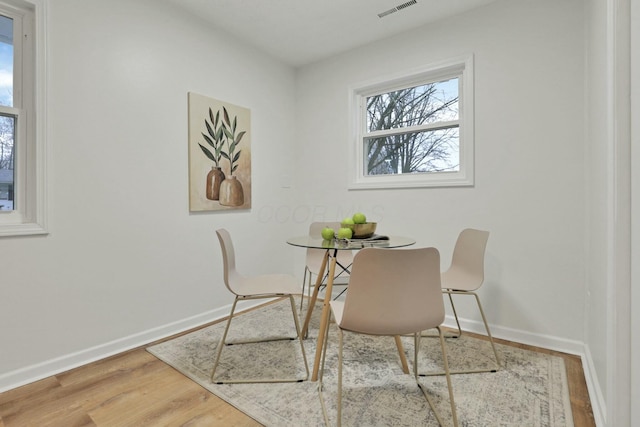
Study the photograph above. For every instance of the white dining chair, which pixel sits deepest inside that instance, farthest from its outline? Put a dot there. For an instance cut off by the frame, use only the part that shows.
(464, 277)
(392, 292)
(266, 286)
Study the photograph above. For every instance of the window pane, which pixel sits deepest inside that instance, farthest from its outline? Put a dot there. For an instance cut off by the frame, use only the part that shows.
(414, 152)
(6, 61)
(7, 153)
(419, 105)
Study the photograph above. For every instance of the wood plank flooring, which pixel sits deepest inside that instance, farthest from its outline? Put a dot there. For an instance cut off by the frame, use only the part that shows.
(136, 389)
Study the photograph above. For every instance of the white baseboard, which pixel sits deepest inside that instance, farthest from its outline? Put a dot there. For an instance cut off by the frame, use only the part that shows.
(29, 374)
(538, 340)
(598, 402)
(550, 342)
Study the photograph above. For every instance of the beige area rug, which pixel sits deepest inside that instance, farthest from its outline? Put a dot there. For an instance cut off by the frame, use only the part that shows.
(530, 390)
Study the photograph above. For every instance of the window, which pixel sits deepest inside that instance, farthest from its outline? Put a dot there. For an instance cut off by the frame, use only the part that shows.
(22, 166)
(414, 130)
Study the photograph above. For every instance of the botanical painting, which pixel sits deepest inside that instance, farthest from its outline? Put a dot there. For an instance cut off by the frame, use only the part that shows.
(219, 155)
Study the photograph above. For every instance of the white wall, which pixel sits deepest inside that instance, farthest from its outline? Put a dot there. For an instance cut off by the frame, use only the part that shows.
(598, 204)
(611, 246)
(635, 208)
(529, 142)
(126, 262)
(125, 258)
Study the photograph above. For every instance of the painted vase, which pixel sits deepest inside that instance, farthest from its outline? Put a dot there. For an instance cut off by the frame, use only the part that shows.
(231, 192)
(214, 179)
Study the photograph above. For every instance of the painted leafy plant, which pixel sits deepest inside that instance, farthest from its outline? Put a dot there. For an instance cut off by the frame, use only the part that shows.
(232, 139)
(213, 137)
(218, 133)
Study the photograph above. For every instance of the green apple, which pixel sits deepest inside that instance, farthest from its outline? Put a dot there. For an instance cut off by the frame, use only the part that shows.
(348, 220)
(345, 233)
(328, 233)
(359, 218)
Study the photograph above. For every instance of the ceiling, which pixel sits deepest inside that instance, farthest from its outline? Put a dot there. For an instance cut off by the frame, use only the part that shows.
(303, 31)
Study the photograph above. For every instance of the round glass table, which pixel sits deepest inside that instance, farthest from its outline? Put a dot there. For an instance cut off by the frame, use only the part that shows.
(329, 261)
(376, 241)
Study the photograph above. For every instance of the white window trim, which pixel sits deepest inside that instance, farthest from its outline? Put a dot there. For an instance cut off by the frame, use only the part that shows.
(30, 215)
(463, 67)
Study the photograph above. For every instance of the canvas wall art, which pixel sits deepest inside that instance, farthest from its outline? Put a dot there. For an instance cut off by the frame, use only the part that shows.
(219, 155)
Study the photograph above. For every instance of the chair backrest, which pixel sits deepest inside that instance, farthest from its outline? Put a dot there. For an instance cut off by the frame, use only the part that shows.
(228, 258)
(314, 256)
(467, 264)
(394, 292)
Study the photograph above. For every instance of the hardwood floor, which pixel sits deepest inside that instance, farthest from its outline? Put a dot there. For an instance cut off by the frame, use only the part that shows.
(136, 389)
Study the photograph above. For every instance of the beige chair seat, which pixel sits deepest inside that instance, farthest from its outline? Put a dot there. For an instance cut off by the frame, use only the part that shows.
(265, 284)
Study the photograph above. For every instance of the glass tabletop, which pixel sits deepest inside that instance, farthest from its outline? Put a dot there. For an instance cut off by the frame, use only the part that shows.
(349, 244)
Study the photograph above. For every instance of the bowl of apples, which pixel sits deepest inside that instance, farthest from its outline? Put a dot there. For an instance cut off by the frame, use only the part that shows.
(360, 227)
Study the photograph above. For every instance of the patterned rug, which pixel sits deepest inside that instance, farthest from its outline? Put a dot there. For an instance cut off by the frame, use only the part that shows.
(530, 389)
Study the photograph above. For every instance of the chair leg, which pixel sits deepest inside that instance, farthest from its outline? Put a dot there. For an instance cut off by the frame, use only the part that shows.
(484, 320)
(321, 377)
(415, 371)
(454, 414)
(447, 373)
(259, 340)
(223, 343)
(299, 333)
(340, 344)
(416, 346)
(486, 326)
(455, 314)
(222, 340)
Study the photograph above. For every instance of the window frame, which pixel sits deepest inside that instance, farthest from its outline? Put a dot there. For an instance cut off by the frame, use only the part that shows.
(461, 67)
(29, 215)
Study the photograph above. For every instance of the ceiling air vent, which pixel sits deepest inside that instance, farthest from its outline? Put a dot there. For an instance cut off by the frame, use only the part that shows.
(397, 8)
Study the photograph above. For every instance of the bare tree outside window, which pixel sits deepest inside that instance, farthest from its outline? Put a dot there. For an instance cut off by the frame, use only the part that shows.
(413, 130)
(7, 156)
(7, 120)
(7, 152)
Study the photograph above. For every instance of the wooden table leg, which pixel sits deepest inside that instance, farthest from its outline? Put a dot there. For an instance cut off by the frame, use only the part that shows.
(403, 358)
(314, 296)
(324, 321)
